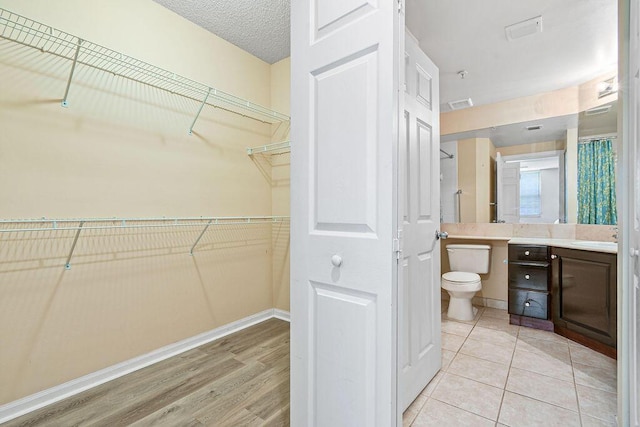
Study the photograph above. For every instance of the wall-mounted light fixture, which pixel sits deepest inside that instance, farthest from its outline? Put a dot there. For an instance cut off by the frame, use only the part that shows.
(607, 87)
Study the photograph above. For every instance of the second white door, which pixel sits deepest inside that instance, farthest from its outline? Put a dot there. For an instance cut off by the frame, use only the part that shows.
(419, 220)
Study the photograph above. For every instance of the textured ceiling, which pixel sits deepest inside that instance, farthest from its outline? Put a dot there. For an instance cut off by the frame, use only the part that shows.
(578, 42)
(261, 27)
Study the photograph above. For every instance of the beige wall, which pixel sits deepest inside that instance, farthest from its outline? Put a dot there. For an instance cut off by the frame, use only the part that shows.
(494, 283)
(571, 160)
(537, 147)
(561, 102)
(280, 184)
(121, 149)
(474, 178)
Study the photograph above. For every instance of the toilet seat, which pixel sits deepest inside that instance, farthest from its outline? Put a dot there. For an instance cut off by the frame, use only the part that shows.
(461, 281)
(461, 277)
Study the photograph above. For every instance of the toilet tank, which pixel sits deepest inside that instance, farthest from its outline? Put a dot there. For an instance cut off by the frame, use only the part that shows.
(469, 258)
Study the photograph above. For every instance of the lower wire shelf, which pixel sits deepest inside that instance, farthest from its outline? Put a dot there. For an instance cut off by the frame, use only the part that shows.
(84, 224)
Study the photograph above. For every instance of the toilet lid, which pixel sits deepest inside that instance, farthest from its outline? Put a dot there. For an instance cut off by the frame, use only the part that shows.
(460, 276)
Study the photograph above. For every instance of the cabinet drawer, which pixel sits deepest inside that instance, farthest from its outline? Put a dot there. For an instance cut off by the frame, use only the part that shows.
(526, 276)
(528, 253)
(538, 303)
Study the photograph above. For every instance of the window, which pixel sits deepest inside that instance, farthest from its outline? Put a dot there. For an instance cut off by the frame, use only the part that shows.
(530, 194)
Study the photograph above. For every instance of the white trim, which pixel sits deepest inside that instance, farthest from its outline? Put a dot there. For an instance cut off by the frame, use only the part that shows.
(282, 315)
(491, 303)
(54, 394)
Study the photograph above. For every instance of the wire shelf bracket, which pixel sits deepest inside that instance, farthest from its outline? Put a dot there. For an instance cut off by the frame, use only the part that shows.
(206, 227)
(277, 146)
(204, 102)
(73, 68)
(67, 265)
(47, 39)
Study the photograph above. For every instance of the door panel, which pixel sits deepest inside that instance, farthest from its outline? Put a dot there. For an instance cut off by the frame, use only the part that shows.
(419, 169)
(629, 186)
(631, 151)
(343, 196)
(345, 174)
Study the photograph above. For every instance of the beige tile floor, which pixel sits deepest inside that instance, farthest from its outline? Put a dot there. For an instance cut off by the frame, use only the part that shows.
(497, 374)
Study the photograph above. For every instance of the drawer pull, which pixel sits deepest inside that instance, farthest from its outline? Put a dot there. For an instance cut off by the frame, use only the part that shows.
(554, 256)
(526, 253)
(526, 276)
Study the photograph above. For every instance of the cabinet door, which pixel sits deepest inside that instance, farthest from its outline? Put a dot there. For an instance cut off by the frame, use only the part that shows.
(584, 293)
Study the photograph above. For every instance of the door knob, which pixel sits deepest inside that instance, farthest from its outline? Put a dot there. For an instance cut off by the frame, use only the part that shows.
(441, 235)
(336, 260)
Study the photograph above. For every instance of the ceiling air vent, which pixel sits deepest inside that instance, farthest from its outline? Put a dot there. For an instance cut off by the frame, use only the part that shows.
(534, 127)
(524, 28)
(597, 110)
(460, 104)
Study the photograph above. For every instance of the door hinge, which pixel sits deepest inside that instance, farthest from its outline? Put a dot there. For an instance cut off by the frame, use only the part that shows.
(399, 5)
(397, 244)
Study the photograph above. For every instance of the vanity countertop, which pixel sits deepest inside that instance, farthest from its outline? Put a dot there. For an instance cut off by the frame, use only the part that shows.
(464, 237)
(585, 245)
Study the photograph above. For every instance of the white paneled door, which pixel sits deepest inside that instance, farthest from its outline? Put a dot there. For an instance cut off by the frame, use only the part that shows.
(344, 56)
(508, 191)
(419, 219)
(629, 188)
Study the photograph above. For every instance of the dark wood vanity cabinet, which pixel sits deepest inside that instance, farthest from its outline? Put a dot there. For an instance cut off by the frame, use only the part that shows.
(529, 285)
(584, 296)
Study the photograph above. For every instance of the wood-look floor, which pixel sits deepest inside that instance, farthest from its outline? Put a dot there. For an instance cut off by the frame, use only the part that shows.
(239, 380)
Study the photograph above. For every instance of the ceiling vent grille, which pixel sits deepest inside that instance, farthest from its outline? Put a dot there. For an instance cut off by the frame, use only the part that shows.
(524, 28)
(460, 104)
(597, 110)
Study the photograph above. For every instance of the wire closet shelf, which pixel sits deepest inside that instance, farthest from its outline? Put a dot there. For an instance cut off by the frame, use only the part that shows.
(275, 148)
(49, 40)
(80, 224)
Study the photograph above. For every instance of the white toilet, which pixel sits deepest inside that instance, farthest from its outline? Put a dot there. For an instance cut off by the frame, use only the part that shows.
(462, 283)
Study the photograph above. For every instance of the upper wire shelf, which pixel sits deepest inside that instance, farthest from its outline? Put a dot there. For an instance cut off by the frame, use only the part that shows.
(47, 39)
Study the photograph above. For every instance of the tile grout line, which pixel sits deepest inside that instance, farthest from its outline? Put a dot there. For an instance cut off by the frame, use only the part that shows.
(575, 385)
(504, 390)
(475, 323)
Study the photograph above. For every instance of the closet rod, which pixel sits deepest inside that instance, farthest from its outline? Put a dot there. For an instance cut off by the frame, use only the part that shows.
(28, 32)
(596, 137)
(269, 147)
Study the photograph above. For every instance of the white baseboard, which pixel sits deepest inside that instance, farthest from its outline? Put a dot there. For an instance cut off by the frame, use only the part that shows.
(491, 303)
(51, 395)
(281, 314)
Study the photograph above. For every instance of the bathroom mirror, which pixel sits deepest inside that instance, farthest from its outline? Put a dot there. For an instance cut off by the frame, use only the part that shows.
(532, 169)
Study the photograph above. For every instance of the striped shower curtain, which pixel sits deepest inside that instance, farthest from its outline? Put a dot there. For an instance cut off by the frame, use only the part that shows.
(596, 183)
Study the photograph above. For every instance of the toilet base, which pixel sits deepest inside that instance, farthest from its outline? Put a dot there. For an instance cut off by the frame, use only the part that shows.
(461, 308)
